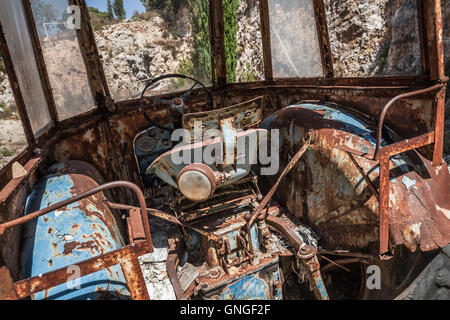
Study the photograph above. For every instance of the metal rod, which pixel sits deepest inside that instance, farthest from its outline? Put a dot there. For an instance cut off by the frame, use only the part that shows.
(366, 178)
(389, 105)
(339, 263)
(266, 39)
(30, 286)
(59, 205)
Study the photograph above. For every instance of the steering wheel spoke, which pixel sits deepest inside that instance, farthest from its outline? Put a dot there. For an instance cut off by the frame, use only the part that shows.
(172, 102)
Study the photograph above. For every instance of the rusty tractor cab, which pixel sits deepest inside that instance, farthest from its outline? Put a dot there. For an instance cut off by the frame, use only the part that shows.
(97, 207)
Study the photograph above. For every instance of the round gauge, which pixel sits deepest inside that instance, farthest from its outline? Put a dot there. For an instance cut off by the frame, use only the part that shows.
(146, 144)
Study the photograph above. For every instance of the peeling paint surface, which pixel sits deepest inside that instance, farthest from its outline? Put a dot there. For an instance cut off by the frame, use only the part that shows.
(64, 237)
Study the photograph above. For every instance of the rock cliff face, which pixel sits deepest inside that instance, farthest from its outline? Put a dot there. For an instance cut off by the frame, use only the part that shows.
(250, 66)
(374, 38)
(138, 50)
(6, 95)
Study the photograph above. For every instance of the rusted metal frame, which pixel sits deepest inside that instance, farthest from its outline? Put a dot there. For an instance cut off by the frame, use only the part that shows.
(123, 256)
(305, 253)
(309, 139)
(218, 41)
(356, 83)
(40, 61)
(334, 264)
(407, 145)
(384, 157)
(434, 38)
(166, 217)
(92, 61)
(348, 254)
(412, 81)
(211, 43)
(390, 103)
(136, 228)
(132, 272)
(364, 175)
(384, 205)
(439, 128)
(423, 39)
(96, 55)
(171, 266)
(266, 39)
(279, 225)
(323, 37)
(308, 256)
(107, 186)
(339, 263)
(9, 66)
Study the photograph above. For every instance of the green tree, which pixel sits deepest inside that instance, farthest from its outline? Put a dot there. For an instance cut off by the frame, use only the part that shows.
(230, 8)
(169, 6)
(119, 10)
(135, 14)
(198, 65)
(201, 57)
(110, 10)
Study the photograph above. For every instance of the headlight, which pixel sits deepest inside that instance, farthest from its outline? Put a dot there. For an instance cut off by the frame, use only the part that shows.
(197, 182)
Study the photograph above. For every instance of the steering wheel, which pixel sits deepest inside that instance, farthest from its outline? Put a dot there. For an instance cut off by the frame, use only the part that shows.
(177, 104)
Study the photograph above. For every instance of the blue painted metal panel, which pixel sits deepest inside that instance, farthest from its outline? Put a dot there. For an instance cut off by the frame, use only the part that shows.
(161, 140)
(78, 232)
(255, 287)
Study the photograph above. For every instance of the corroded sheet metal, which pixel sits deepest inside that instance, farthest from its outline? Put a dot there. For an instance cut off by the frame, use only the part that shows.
(262, 281)
(126, 257)
(329, 189)
(7, 291)
(245, 115)
(66, 236)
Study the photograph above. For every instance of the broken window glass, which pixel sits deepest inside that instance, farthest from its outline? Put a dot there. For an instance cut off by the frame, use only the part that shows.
(295, 45)
(12, 136)
(63, 59)
(164, 37)
(15, 27)
(374, 38)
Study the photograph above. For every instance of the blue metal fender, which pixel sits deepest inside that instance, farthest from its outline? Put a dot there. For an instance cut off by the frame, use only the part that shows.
(78, 232)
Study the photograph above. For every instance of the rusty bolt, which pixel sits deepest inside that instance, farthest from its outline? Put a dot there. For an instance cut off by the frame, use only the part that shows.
(307, 252)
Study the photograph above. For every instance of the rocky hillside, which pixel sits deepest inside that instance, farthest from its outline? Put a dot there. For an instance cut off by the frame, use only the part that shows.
(250, 66)
(135, 51)
(156, 44)
(374, 38)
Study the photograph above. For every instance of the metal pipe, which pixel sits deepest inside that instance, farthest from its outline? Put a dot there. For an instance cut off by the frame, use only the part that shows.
(390, 103)
(59, 205)
(339, 263)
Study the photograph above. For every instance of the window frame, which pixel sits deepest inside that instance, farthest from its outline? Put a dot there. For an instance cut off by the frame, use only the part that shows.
(431, 57)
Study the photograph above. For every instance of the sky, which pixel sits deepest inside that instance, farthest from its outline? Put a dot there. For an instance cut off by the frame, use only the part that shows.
(130, 5)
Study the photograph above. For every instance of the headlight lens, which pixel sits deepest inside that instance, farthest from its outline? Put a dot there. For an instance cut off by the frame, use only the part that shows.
(197, 182)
